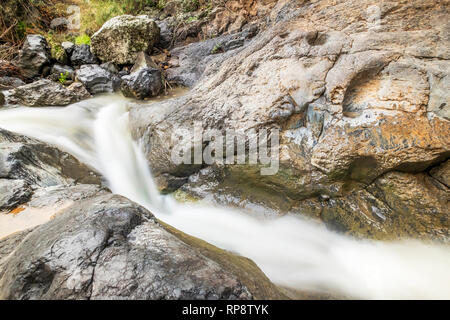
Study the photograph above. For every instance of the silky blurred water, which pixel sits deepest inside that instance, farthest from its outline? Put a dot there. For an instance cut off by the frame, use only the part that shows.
(292, 252)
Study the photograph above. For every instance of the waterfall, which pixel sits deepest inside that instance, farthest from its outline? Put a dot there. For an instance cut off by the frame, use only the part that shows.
(292, 252)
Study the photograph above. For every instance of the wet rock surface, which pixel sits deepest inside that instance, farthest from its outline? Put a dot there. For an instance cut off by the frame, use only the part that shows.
(107, 247)
(353, 102)
(13, 193)
(39, 164)
(145, 83)
(45, 93)
(97, 79)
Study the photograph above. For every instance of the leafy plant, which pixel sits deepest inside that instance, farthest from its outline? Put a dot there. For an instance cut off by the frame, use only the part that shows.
(63, 77)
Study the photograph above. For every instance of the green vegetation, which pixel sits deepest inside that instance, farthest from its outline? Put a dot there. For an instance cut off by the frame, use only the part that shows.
(83, 39)
(63, 77)
(21, 17)
(217, 48)
(190, 5)
(191, 19)
(161, 4)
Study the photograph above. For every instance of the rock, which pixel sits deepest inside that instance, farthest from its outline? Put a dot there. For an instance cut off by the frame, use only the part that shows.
(80, 90)
(37, 181)
(142, 84)
(13, 193)
(396, 205)
(58, 69)
(34, 55)
(120, 39)
(82, 55)
(44, 93)
(351, 105)
(39, 164)
(442, 173)
(68, 47)
(166, 35)
(97, 245)
(97, 80)
(189, 62)
(107, 247)
(2, 99)
(10, 83)
(60, 55)
(143, 61)
(123, 73)
(110, 66)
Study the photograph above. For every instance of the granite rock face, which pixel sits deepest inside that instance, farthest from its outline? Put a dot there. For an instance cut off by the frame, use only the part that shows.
(357, 90)
(120, 39)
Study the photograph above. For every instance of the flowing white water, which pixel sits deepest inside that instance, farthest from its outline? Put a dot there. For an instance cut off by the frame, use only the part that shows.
(292, 252)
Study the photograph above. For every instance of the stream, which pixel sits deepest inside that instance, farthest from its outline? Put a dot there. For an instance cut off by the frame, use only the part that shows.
(293, 252)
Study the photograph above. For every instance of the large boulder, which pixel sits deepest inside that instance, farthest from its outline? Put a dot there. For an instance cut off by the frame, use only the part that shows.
(108, 247)
(351, 101)
(45, 93)
(97, 79)
(34, 55)
(142, 84)
(120, 39)
(82, 55)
